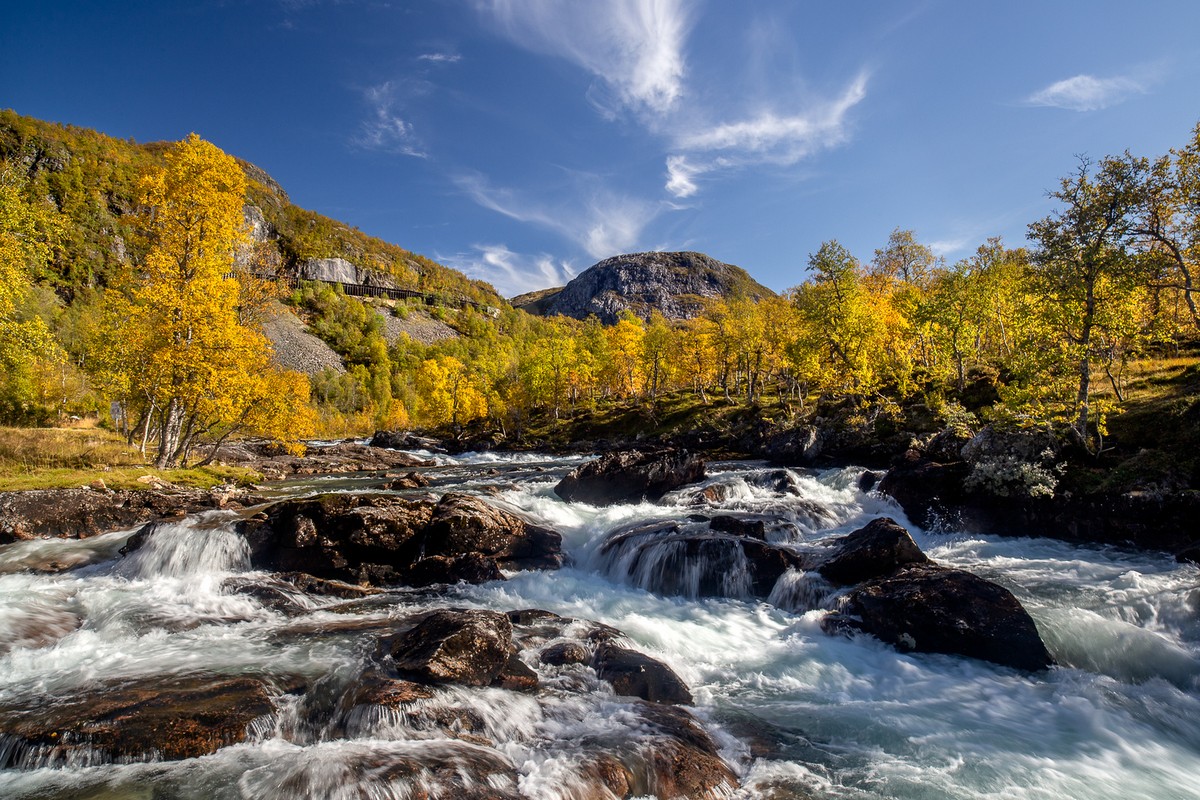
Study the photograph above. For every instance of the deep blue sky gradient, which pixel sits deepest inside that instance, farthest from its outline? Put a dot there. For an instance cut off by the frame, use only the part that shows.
(523, 140)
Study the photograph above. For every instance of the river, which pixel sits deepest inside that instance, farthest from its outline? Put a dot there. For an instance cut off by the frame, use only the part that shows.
(793, 709)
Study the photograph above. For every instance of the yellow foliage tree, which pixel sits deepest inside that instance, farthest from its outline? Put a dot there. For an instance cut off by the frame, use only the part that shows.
(451, 393)
(197, 370)
(27, 234)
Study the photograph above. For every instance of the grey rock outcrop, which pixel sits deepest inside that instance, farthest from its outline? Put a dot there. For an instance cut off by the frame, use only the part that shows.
(674, 284)
(339, 270)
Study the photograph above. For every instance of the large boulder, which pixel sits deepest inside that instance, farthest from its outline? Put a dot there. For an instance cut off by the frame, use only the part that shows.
(470, 647)
(630, 476)
(928, 608)
(167, 718)
(635, 674)
(879, 548)
(387, 540)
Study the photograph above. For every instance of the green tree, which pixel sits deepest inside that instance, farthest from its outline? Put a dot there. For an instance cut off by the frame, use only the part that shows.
(1081, 268)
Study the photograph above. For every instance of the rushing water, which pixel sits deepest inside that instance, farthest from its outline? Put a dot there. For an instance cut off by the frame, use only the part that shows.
(840, 717)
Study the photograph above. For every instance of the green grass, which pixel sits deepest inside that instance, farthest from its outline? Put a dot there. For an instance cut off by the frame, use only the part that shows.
(56, 458)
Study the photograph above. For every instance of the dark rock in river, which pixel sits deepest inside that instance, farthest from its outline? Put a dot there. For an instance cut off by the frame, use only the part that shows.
(636, 674)
(450, 646)
(168, 718)
(879, 548)
(82, 513)
(561, 654)
(932, 609)
(386, 540)
(630, 476)
(404, 440)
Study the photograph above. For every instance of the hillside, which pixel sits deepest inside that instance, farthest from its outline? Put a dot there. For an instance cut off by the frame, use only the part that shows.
(92, 179)
(675, 284)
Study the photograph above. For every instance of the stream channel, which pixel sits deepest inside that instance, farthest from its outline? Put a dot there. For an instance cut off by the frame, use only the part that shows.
(795, 712)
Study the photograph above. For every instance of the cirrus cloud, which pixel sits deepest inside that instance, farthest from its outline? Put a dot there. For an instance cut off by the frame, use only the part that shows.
(1086, 93)
(634, 46)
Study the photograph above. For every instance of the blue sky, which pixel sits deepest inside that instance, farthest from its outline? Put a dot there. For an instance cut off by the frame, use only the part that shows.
(523, 140)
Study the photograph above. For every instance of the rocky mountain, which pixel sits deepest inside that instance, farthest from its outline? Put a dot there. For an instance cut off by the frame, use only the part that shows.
(92, 179)
(675, 284)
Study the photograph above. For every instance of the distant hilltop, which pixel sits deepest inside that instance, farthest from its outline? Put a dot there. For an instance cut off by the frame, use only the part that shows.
(674, 284)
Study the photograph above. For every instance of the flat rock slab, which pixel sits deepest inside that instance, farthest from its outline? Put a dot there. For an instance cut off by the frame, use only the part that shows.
(168, 719)
(83, 513)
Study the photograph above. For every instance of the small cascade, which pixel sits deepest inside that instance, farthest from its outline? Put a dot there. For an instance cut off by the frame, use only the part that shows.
(195, 546)
(799, 591)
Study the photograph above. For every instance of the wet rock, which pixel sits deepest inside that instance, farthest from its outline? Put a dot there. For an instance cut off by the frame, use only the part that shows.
(82, 513)
(411, 480)
(269, 592)
(517, 676)
(630, 476)
(385, 540)
(636, 674)
(665, 558)
(465, 568)
(740, 526)
(168, 718)
(932, 609)
(780, 481)
(419, 770)
(879, 548)
(389, 693)
(449, 646)
(682, 760)
(562, 653)
(927, 490)
(326, 588)
(869, 480)
(462, 523)
(404, 440)
(1189, 554)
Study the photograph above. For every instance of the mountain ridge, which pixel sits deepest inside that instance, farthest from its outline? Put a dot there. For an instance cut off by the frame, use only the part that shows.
(677, 284)
(92, 179)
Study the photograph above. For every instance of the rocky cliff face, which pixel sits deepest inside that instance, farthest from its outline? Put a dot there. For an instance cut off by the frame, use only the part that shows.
(674, 284)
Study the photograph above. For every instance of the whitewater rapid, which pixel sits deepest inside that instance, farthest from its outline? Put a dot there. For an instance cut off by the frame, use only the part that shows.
(793, 709)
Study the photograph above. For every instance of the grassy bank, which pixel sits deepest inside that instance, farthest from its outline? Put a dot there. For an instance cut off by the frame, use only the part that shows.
(54, 458)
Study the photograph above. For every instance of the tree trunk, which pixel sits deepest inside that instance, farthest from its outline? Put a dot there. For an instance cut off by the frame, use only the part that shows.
(172, 425)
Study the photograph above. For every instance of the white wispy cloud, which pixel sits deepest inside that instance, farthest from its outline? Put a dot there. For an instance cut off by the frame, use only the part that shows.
(1086, 93)
(769, 137)
(602, 222)
(948, 247)
(681, 175)
(636, 47)
(511, 273)
(385, 129)
(440, 58)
